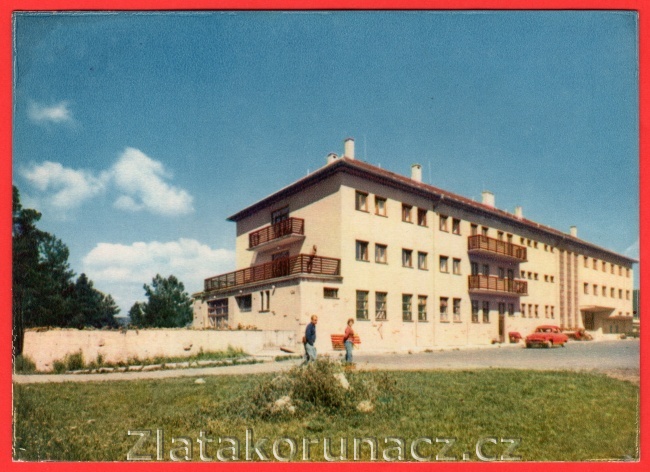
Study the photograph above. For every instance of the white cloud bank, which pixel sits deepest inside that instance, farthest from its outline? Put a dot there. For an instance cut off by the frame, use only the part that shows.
(59, 113)
(633, 250)
(139, 180)
(121, 269)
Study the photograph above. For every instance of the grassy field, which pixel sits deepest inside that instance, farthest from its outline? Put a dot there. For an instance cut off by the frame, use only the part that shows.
(558, 416)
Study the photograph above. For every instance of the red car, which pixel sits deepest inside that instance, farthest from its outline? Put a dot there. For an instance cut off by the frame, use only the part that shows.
(547, 336)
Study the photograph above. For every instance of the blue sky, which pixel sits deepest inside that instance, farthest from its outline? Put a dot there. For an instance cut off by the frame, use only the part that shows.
(136, 135)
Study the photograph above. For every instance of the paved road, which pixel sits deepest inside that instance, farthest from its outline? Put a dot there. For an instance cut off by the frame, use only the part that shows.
(600, 355)
(610, 356)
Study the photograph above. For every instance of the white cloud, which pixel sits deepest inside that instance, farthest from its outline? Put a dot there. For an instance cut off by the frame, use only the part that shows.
(142, 181)
(139, 180)
(121, 269)
(59, 113)
(64, 188)
(633, 250)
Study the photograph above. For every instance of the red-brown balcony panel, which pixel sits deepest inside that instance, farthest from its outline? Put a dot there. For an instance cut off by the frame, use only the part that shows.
(493, 284)
(496, 247)
(294, 265)
(281, 229)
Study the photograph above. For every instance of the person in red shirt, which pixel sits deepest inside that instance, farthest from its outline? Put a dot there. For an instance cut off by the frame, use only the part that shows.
(348, 340)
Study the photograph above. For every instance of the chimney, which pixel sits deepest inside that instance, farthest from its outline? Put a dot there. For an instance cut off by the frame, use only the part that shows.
(416, 172)
(488, 198)
(519, 212)
(574, 231)
(349, 148)
(331, 157)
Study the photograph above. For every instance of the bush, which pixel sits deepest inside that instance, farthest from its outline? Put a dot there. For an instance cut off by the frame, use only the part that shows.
(315, 388)
(24, 365)
(74, 361)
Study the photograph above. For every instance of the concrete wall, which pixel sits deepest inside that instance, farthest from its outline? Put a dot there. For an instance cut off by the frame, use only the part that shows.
(47, 346)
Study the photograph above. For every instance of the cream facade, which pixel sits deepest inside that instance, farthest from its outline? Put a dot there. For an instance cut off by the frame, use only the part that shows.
(416, 266)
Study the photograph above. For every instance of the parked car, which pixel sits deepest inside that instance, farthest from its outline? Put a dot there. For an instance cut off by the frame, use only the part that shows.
(546, 336)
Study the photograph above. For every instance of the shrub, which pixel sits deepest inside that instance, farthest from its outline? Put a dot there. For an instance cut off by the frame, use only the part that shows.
(313, 388)
(24, 365)
(74, 361)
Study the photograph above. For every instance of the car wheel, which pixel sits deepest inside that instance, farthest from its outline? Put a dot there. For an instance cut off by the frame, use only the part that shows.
(528, 345)
(549, 343)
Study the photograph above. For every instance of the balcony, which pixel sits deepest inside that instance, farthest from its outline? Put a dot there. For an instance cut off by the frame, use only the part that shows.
(497, 285)
(289, 230)
(496, 248)
(294, 265)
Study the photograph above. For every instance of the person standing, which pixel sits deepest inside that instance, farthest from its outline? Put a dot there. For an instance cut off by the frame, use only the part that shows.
(310, 339)
(348, 340)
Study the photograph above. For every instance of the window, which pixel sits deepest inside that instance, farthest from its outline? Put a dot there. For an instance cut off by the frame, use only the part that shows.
(474, 268)
(265, 297)
(380, 306)
(612, 292)
(443, 309)
(546, 278)
(486, 269)
(422, 260)
(407, 258)
(361, 201)
(443, 264)
(380, 206)
(362, 305)
(595, 289)
(502, 273)
(595, 264)
(486, 312)
(245, 302)
(620, 270)
(280, 215)
(620, 293)
(443, 223)
(500, 235)
(612, 268)
(536, 311)
(511, 309)
(604, 266)
(523, 274)
(604, 293)
(473, 229)
(535, 244)
(552, 279)
(380, 254)
(474, 311)
(502, 308)
(627, 272)
(530, 275)
(456, 308)
(422, 217)
(484, 230)
(536, 275)
(330, 292)
(456, 266)
(455, 226)
(586, 289)
(627, 294)
(586, 260)
(362, 251)
(422, 307)
(406, 307)
(406, 213)
(218, 313)
(552, 312)
(523, 310)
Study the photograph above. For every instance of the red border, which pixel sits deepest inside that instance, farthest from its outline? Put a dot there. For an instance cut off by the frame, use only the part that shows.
(6, 9)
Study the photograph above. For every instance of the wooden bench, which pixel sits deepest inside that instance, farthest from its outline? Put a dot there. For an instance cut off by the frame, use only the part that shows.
(339, 345)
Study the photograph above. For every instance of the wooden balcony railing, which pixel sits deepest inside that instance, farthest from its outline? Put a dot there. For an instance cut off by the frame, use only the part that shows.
(276, 230)
(300, 264)
(497, 284)
(496, 246)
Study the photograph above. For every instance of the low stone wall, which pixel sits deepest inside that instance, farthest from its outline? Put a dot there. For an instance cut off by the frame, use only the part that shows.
(44, 347)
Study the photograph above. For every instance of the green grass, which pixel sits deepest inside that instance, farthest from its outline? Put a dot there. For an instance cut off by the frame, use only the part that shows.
(559, 416)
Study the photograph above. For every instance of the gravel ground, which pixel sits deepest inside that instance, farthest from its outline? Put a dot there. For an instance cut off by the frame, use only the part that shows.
(619, 359)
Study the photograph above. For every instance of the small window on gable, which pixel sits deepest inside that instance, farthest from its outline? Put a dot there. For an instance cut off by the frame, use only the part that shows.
(329, 292)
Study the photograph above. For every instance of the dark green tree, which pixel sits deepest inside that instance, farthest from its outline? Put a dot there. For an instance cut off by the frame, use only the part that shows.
(91, 307)
(168, 305)
(136, 314)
